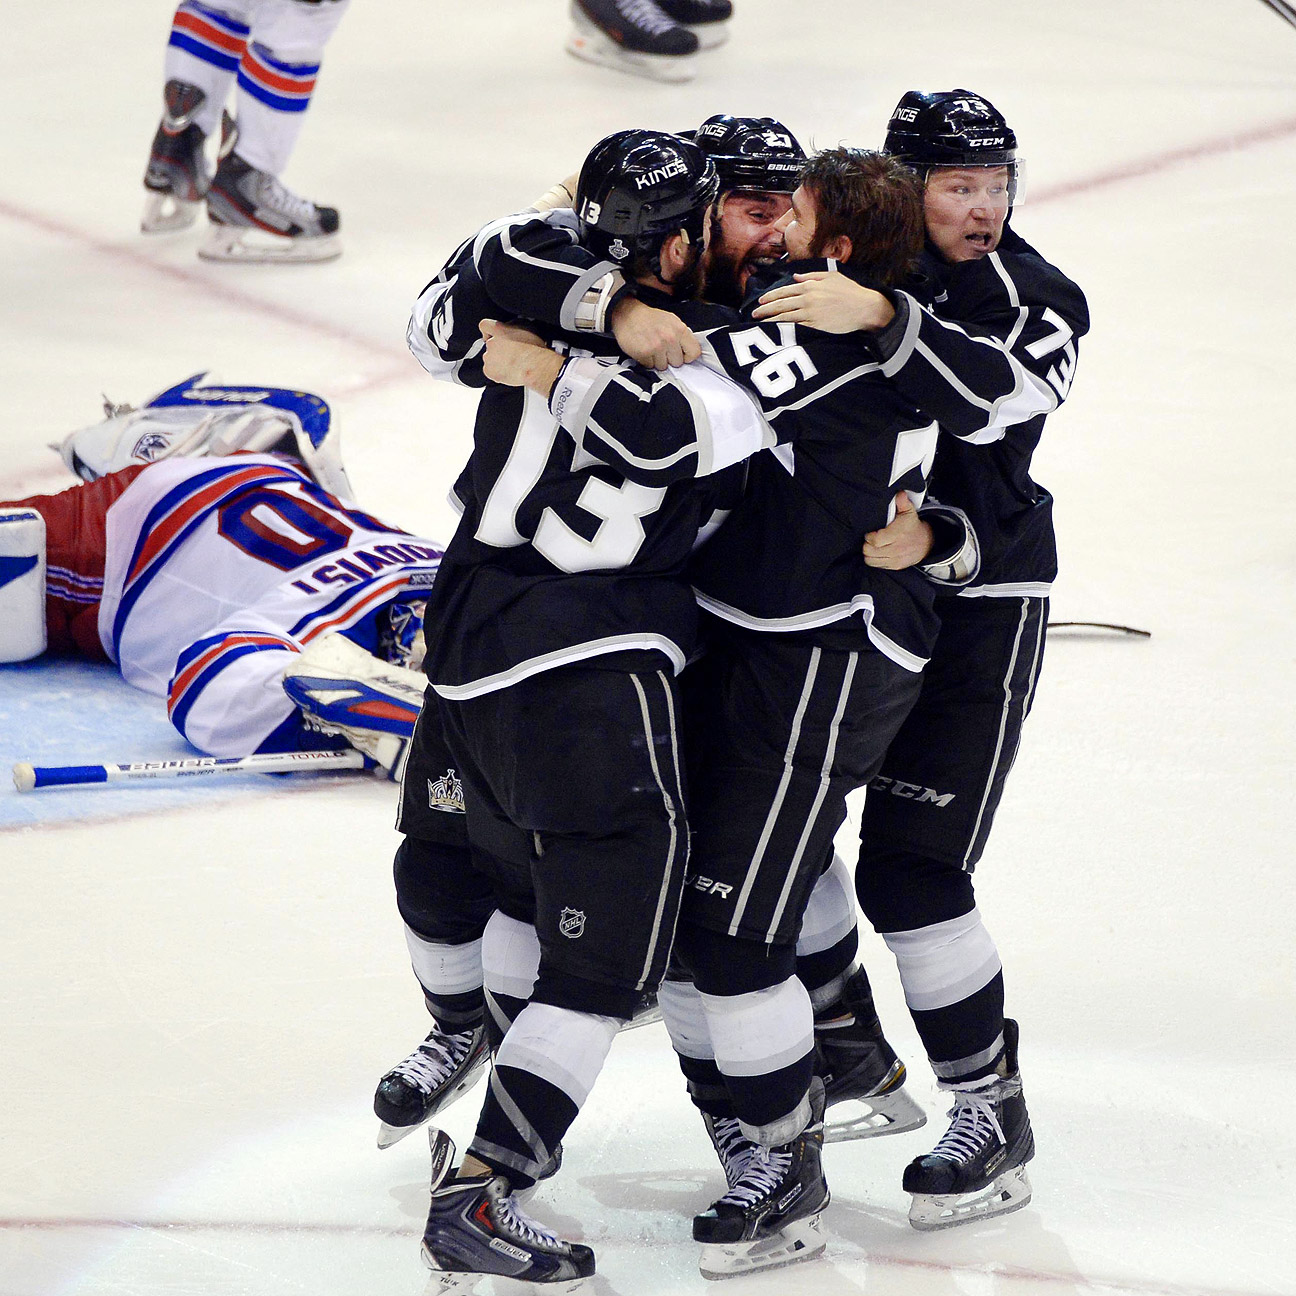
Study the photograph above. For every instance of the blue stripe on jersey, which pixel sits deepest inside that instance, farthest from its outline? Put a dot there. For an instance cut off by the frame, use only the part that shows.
(179, 710)
(172, 499)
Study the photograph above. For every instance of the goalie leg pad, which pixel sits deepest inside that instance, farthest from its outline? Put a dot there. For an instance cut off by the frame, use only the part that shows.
(22, 584)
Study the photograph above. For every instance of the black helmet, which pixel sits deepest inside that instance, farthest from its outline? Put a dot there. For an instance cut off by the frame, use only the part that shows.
(949, 128)
(638, 187)
(751, 152)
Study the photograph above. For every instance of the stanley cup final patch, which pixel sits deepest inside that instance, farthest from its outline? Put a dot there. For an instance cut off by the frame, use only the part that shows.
(571, 922)
(446, 793)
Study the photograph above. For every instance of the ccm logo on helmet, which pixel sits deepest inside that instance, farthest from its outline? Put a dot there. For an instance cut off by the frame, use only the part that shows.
(996, 142)
(658, 174)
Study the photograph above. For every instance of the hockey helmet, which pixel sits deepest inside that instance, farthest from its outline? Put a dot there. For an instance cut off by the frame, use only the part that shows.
(951, 128)
(638, 187)
(751, 152)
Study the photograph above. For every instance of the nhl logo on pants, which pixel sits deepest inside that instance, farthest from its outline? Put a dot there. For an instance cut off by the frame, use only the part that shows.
(571, 922)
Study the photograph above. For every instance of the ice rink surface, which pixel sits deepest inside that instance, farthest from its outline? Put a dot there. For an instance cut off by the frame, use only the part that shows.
(201, 987)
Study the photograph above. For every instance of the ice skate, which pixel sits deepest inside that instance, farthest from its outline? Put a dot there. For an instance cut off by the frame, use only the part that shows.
(708, 20)
(978, 1169)
(475, 1227)
(442, 1068)
(256, 220)
(633, 36)
(770, 1216)
(177, 176)
(862, 1076)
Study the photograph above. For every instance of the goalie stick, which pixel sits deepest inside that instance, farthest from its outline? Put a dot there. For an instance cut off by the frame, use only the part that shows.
(1282, 9)
(29, 777)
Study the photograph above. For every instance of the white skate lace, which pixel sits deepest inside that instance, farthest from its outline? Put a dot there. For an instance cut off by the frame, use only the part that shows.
(974, 1121)
(274, 194)
(734, 1148)
(511, 1219)
(645, 14)
(764, 1172)
(434, 1060)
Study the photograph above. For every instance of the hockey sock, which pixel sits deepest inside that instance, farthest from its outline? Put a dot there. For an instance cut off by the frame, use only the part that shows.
(953, 984)
(510, 964)
(685, 1019)
(544, 1071)
(204, 49)
(276, 78)
(451, 977)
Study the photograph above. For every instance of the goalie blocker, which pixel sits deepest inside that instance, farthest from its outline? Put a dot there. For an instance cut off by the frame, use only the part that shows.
(22, 584)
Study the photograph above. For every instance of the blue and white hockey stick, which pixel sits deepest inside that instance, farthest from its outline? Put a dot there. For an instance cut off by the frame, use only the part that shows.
(29, 777)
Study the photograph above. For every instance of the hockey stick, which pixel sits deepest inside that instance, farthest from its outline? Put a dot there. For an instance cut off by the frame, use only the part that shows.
(1282, 9)
(1099, 625)
(27, 777)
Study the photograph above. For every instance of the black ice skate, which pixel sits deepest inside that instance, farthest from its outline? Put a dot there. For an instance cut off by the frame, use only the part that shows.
(633, 36)
(708, 20)
(770, 1215)
(177, 175)
(254, 218)
(859, 1067)
(979, 1168)
(476, 1227)
(432, 1077)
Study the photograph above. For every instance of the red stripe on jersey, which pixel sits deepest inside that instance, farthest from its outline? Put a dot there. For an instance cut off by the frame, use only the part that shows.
(209, 32)
(293, 85)
(184, 513)
(372, 594)
(200, 664)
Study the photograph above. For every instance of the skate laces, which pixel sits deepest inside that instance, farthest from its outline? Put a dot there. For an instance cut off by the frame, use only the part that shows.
(734, 1148)
(765, 1170)
(434, 1059)
(275, 194)
(646, 14)
(974, 1120)
(509, 1217)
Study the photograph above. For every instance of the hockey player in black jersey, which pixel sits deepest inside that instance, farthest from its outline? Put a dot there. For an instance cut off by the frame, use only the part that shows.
(567, 617)
(930, 809)
(810, 675)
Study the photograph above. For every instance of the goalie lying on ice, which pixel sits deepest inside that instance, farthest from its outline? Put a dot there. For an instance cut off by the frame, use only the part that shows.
(213, 553)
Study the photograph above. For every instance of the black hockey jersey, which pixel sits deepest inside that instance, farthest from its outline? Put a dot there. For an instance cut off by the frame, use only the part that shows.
(995, 359)
(558, 556)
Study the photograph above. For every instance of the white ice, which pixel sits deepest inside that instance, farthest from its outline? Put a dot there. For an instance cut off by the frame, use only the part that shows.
(199, 993)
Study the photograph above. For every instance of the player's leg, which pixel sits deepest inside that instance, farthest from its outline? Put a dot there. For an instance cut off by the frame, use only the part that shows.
(75, 547)
(863, 1077)
(588, 761)
(445, 902)
(768, 798)
(924, 827)
(254, 216)
(207, 42)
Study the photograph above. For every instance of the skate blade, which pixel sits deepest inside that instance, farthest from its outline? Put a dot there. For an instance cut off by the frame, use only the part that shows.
(390, 1135)
(1010, 1192)
(445, 1283)
(241, 245)
(598, 48)
(801, 1240)
(893, 1113)
(164, 213)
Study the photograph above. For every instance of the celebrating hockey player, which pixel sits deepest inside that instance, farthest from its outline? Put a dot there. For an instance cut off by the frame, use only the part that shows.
(214, 554)
(271, 51)
(930, 809)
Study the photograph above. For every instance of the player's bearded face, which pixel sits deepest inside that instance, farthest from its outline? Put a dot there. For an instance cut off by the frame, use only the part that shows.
(744, 235)
(965, 209)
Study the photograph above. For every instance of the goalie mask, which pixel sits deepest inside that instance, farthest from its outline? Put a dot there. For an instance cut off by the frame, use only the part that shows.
(637, 188)
(400, 633)
(953, 128)
(757, 153)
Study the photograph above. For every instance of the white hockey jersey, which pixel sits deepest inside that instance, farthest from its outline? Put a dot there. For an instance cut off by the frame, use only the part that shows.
(220, 571)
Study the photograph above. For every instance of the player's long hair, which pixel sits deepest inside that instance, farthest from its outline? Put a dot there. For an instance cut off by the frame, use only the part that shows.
(873, 200)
